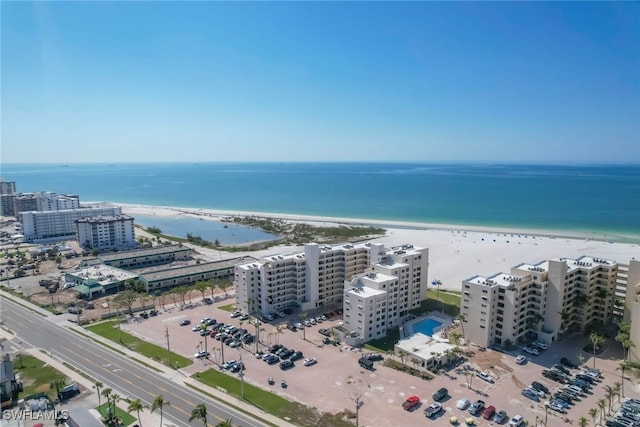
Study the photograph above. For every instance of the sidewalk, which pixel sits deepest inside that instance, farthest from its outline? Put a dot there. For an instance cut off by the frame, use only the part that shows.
(177, 376)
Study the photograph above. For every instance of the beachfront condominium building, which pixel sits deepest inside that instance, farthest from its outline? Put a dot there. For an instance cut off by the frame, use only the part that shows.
(381, 299)
(53, 226)
(106, 232)
(314, 280)
(7, 195)
(44, 201)
(632, 306)
(542, 300)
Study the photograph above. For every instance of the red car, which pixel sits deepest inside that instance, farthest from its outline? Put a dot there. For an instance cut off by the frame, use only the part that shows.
(488, 412)
(411, 402)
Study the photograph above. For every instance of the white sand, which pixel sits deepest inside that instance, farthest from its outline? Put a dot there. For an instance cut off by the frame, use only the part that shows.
(456, 253)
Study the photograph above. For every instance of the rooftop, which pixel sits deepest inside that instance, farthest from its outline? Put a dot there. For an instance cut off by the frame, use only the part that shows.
(190, 270)
(158, 250)
(423, 346)
(103, 274)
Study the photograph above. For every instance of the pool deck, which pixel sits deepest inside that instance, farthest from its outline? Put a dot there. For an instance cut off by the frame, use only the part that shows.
(406, 330)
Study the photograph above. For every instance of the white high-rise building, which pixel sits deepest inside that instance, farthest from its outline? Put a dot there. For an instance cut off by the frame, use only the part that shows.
(44, 201)
(380, 299)
(52, 226)
(106, 232)
(315, 280)
(540, 300)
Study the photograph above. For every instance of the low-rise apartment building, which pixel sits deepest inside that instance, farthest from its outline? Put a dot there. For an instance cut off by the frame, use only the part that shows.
(146, 257)
(542, 300)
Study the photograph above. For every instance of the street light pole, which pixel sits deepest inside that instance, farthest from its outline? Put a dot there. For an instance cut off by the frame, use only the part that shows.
(241, 377)
(357, 409)
(166, 334)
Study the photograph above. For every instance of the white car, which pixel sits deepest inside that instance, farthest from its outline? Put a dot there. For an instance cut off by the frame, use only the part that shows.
(521, 359)
(235, 314)
(485, 376)
(201, 354)
(556, 407)
(541, 345)
(516, 421)
(532, 350)
(310, 361)
(462, 403)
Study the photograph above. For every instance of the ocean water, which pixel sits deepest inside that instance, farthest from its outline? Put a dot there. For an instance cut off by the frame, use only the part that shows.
(603, 200)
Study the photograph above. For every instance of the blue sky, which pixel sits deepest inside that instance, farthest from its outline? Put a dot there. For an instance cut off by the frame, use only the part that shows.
(321, 81)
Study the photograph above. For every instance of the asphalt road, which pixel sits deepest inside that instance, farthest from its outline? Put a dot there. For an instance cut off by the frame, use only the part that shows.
(112, 369)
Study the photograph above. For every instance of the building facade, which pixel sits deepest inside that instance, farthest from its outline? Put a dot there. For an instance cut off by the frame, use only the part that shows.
(542, 300)
(315, 279)
(52, 226)
(106, 232)
(146, 257)
(7, 187)
(44, 201)
(632, 306)
(159, 281)
(381, 299)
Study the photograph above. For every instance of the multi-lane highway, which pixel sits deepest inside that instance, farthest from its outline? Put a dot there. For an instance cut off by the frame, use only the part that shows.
(112, 369)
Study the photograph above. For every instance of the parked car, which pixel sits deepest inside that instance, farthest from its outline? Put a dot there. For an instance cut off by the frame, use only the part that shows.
(561, 369)
(201, 354)
(310, 361)
(521, 359)
(207, 301)
(531, 394)
(516, 421)
(286, 364)
(541, 345)
(228, 364)
(488, 412)
(440, 394)
(540, 386)
(410, 403)
(476, 407)
(561, 402)
(237, 368)
(244, 317)
(185, 322)
(485, 376)
(433, 409)
(586, 378)
(235, 314)
(462, 403)
(500, 417)
(531, 350)
(297, 355)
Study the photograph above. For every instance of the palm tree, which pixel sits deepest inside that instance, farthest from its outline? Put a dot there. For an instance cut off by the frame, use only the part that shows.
(159, 403)
(469, 376)
(609, 394)
(593, 413)
(199, 413)
(617, 389)
(98, 385)
(624, 337)
(595, 339)
(302, 317)
(225, 423)
(582, 422)
(136, 405)
(57, 383)
(602, 404)
(107, 395)
(403, 357)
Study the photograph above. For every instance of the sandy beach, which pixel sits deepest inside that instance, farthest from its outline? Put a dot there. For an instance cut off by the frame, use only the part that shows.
(456, 252)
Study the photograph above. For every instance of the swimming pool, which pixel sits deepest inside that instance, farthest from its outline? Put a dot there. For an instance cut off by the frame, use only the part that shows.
(425, 326)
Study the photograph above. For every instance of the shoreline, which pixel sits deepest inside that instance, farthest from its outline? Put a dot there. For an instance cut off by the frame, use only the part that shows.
(456, 253)
(217, 215)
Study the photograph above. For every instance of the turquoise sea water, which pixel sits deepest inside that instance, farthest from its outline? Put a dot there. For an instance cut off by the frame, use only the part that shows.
(589, 199)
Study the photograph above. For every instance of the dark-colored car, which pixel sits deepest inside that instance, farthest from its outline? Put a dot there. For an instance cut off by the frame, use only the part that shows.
(287, 353)
(500, 417)
(297, 355)
(275, 348)
(561, 369)
(440, 394)
(286, 364)
(540, 386)
(586, 378)
(207, 301)
(153, 312)
(185, 322)
(488, 412)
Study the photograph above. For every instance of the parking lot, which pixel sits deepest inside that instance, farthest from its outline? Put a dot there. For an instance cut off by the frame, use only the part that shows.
(336, 381)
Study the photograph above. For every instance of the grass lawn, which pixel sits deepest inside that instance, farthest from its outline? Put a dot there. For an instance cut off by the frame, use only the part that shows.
(36, 376)
(447, 301)
(127, 418)
(385, 344)
(229, 307)
(155, 352)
